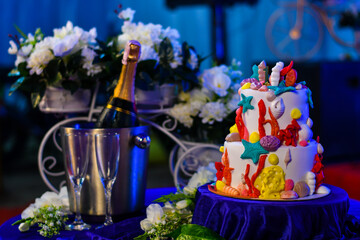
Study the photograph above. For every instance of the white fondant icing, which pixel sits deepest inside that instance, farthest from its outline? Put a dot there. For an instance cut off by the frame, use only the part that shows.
(296, 99)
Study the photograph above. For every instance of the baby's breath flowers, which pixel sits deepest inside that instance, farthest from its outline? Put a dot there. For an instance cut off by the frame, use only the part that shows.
(49, 212)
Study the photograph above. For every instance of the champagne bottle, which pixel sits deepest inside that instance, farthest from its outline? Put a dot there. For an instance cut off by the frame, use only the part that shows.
(120, 111)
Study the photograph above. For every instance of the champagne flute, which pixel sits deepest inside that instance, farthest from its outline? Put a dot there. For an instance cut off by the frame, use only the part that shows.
(107, 147)
(77, 161)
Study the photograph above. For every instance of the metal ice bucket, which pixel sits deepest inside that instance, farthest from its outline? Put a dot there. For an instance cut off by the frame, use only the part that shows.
(128, 192)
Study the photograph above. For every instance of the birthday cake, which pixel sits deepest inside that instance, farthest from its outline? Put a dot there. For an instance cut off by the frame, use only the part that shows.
(270, 152)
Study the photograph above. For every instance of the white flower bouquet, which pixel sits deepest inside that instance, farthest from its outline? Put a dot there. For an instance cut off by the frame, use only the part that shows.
(173, 218)
(65, 59)
(163, 58)
(209, 106)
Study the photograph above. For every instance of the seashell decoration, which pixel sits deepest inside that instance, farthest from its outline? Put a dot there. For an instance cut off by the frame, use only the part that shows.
(275, 74)
(298, 86)
(289, 184)
(277, 107)
(287, 158)
(290, 194)
(230, 191)
(263, 88)
(270, 96)
(270, 143)
(309, 122)
(320, 149)
(310, 181)
(305, 133)
(233, 137)
(302, 189)
(261, 72)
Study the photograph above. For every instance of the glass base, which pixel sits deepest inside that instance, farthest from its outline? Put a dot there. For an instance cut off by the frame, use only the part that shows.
(105, 224)
(78, 226)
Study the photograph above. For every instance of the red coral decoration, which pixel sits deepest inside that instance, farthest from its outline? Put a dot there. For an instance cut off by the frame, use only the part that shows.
(255, 192)
(247, 179)
(290, 135)
(286, 69)
(243, 132)
(262, 121)
(220, 171)
(318, 170)
(262, 112)
(227, 169)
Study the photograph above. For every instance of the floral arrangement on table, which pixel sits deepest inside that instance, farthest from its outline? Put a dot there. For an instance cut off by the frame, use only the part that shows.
(210, 105)
(65, 59)
(174, 217)
(163, 58)
(49, 212)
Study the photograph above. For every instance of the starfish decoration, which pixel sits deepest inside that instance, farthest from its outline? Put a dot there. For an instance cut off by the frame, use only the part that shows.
(281, 88)
(245, 102)
(252, 151)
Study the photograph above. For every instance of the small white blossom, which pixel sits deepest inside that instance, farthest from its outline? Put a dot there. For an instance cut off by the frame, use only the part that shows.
(127, 14)
(25, 50)
(183, 204)
(181, 112)
(63, 47)
(13, 49)
(155, 213)
(146, 225)
(193, 61)
(213, 111)
(23, 227)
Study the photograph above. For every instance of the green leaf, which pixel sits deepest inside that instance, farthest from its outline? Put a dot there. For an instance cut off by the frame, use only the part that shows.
(166, 52)
(20, 31)
(172, 197)
(72, 86)
(22, 69)
(16, 85)
(35, 99)
(52, 70)
(21, 221)
(194, 231)
(185, 53)
(142, 237)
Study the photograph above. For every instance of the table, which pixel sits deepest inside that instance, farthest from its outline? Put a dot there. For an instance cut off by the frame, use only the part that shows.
(130, 228)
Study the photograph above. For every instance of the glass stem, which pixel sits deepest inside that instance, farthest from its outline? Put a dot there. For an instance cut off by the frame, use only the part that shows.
(108, 219)
(77, 190)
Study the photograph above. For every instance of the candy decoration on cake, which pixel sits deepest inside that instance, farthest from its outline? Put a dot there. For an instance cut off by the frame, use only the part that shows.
(252, 151)
(255, 72)
(287, 158)
(275, 74)
(270, 152)
(277, 107)
(246, 103)
(261, 72)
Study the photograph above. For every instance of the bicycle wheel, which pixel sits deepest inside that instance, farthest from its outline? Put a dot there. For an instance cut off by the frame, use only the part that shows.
(283, 45)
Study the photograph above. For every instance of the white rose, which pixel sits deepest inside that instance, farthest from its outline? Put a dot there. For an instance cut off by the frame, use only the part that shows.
(216, 80)
(147, 52)
(127, 14)
(28, 212)
(64, 31)
(155, 213)
(64, 46)
(41, 56)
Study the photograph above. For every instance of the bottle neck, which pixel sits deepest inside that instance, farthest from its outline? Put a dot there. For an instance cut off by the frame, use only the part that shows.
(125, 87)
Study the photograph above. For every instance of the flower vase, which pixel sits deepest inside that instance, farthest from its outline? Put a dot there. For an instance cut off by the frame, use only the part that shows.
(162, 96)
(60, 100)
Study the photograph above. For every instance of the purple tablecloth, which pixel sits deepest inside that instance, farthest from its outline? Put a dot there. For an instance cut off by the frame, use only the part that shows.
(130, 228)
(323, 218)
